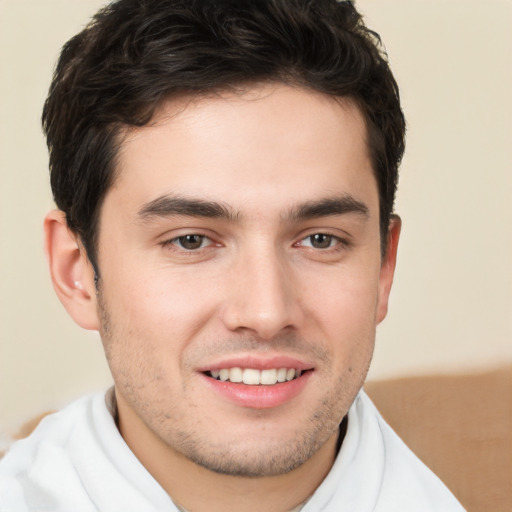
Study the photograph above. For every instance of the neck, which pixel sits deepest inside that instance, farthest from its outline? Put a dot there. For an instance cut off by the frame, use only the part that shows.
(196, 488)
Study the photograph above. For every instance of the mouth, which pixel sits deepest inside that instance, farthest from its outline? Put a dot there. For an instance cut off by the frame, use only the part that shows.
(258, 384)
(255, 377)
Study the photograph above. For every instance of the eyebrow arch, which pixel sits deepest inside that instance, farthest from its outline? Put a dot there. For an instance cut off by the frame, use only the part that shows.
(169, 205)
(338, 205)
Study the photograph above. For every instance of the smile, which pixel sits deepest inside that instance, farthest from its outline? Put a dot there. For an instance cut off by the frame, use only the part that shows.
(254, 377)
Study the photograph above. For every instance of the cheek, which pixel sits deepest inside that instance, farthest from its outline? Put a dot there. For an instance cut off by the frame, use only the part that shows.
(346, 299)
(345, 313)
(160, 306)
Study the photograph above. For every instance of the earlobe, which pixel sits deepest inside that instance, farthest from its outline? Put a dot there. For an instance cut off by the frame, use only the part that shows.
(71, 272)
(387, 270)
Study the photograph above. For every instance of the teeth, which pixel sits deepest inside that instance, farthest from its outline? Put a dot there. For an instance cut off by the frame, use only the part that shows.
(253, 377)
(236, 375)
(268, 377)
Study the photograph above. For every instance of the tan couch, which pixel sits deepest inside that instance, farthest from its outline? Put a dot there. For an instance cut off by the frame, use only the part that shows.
(461, 427)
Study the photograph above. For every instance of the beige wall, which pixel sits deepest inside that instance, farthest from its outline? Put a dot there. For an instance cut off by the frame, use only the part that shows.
(451, 308)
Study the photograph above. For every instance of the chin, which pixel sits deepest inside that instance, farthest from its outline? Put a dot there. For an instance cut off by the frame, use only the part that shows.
(261, 451)
(259, 462)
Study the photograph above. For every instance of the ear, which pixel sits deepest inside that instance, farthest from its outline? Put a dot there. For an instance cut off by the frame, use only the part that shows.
(387, 269)
(71, 272)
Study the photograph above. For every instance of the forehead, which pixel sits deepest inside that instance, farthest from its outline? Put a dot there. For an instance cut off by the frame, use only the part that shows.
(272, 142)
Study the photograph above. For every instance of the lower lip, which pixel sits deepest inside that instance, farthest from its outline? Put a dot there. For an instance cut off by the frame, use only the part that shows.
(259, 397)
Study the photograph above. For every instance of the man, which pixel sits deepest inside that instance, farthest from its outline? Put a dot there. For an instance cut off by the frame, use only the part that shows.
(225, 175)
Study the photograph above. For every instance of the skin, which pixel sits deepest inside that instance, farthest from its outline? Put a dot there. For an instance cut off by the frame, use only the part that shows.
(259, 286)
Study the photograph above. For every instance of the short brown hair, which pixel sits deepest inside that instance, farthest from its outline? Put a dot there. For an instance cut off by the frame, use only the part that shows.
(135, 54)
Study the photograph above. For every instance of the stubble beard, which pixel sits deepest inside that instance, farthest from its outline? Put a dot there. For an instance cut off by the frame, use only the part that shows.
(246, 459)
(263, 458)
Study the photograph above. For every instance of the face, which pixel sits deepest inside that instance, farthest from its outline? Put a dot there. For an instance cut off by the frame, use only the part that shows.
(241, 276)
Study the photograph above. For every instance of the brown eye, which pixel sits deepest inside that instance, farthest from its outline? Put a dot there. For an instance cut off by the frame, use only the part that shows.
(321, 240)
(190, 242)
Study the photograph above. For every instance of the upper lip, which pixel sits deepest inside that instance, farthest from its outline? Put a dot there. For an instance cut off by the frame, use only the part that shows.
(258, 363)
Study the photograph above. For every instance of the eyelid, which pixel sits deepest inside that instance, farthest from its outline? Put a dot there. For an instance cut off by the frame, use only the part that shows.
(343, 239)
(171, 241)
(310, 244)
(205, 241)
(335, 242)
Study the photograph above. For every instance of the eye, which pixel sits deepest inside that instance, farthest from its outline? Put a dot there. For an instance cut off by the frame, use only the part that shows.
(191, 242)
(320, 241)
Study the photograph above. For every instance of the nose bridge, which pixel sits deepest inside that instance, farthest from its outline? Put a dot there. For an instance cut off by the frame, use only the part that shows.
(261, 298)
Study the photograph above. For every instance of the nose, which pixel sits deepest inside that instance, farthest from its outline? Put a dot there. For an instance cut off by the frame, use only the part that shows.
(262, 296)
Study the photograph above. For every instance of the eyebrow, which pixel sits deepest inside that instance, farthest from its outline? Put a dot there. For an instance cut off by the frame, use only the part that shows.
(338, 205)
(168, 206)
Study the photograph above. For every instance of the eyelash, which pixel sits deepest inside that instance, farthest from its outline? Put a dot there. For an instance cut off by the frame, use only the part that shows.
(340, 243)
(176, 243)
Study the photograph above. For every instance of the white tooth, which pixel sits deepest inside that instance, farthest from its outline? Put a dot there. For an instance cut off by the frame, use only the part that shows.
(251, 376)
(269, 377)
(281, 375)
(215, 374)
(290, 374)
(236, 374)
(224, 374)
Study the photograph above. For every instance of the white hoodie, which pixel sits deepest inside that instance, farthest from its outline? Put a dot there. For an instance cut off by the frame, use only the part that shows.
(76, 461)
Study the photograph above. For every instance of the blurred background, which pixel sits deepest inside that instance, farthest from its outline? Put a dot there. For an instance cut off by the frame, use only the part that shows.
(451, 307)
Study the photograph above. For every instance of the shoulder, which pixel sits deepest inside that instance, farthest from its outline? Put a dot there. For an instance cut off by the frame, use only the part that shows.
(375, 471)
(32, 464)
(406, 481)
(76, 460)
(53, 429)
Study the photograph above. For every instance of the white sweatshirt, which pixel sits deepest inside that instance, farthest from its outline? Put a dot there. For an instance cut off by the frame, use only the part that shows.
(76, 461)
